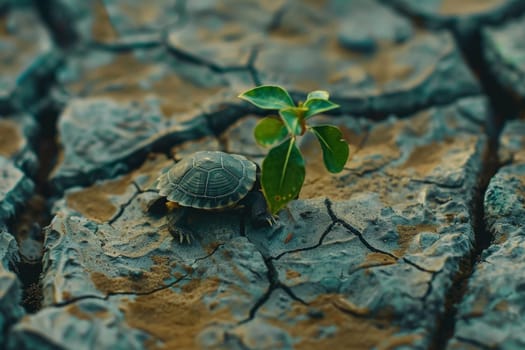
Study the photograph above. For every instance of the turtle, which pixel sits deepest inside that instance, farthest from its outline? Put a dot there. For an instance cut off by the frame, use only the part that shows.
(213, 181)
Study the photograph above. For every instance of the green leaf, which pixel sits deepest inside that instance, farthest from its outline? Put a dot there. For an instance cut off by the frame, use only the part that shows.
(318, 94)
(282, 175)
(317, 105)
(269, 131)
(335, 147)
(290, 117)
(268, 97)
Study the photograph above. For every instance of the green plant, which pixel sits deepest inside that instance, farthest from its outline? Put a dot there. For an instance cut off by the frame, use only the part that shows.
(283, 169)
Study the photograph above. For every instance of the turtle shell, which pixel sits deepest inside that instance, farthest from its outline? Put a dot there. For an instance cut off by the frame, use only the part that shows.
(208, 180)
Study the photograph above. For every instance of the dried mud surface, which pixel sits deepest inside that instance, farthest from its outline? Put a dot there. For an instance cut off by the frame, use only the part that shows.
(416, 244)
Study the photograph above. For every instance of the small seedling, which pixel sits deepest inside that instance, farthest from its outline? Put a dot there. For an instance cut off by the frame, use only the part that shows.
(283, 169)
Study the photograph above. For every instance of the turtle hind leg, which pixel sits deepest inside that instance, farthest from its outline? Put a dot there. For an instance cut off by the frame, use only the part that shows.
(178, 225)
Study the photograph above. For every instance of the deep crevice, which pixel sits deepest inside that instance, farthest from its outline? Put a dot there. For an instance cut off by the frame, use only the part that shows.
(27, 226)
(502, 102)
(456, 293)
(502, 106)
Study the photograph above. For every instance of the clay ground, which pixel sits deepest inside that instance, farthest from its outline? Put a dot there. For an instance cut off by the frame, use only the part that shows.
(417, 244)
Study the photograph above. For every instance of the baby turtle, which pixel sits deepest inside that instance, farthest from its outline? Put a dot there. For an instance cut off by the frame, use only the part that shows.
(209, 180)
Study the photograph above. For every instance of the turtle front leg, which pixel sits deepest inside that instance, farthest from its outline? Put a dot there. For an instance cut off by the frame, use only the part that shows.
(178, 225)
(259, 214)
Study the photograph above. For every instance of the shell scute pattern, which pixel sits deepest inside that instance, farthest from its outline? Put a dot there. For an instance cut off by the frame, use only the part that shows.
(208, 180)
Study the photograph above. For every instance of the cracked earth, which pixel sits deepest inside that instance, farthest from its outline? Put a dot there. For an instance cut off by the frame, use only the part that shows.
(416, 244)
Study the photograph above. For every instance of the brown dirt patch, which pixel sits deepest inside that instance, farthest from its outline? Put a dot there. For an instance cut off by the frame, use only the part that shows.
(142, 13)
(407, 233)
(385, 66)
(426, 158)
(291, 274)
(479, 305)
(353, 332)
(177, 95)
(148, 281)
(94, 202)
(449, 154)
(101, 28)
(502, 306)
(467, 7)
(377, 259)
(188, 95)
(11, 140)
(176, 318)
(390, 189)
(77, 312)
(3, 26)
(363, 157)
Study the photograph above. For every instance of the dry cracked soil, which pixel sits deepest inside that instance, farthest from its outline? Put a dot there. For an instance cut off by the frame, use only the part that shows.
(418, 243)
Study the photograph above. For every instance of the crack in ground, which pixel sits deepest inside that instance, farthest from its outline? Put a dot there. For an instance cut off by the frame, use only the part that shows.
(252, 69)
(113, 294)
(150, 292)
(121, 47)
(355, 231)
(272, 279)
(430, 286)
(420, 268)
(124, 205)
(475, 343)
(275, 283)
(209, 254)
(362, 239)
(251, 66)
(440, 185)
(195, 59)
(318, 244)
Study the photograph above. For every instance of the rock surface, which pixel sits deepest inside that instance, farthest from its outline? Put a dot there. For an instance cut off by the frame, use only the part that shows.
(364, 256)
